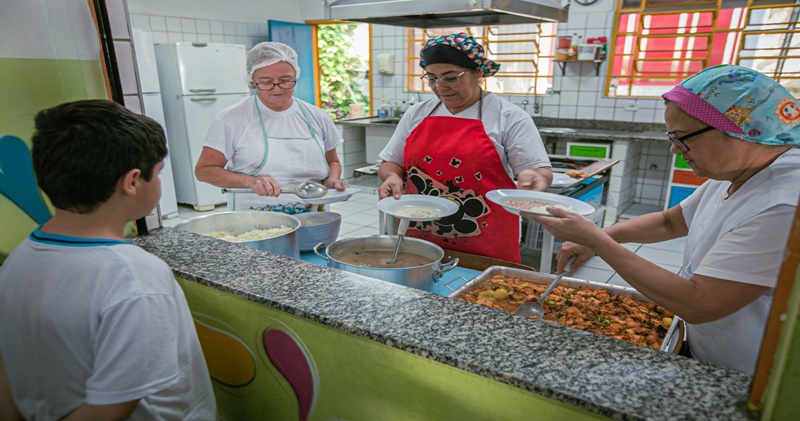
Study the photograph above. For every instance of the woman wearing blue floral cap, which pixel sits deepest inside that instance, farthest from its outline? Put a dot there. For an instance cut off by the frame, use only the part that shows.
(461, 145)
(739, 128)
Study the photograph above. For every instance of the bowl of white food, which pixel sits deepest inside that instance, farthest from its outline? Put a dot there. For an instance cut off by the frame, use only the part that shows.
(270, 231)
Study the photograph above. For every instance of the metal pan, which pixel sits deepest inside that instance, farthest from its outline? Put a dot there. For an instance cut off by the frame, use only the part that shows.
(672, 341)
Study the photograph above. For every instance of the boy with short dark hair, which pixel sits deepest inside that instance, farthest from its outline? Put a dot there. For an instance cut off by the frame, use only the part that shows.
(92, 327)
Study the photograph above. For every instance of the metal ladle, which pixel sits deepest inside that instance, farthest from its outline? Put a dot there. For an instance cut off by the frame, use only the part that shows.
(304, 190)
(534, 308)
(401, 232)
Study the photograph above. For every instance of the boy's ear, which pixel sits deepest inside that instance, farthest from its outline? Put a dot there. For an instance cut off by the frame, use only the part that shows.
(129, 181)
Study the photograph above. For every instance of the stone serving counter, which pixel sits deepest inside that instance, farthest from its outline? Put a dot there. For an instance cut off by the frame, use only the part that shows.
(583, 371)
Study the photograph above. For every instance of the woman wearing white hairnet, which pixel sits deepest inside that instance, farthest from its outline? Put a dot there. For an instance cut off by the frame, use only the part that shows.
(272, 140)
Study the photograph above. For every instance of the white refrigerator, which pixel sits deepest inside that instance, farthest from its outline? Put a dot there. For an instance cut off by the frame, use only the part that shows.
(153, 108)
(198, 80)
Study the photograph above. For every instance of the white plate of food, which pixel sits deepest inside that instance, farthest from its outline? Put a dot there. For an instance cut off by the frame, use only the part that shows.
(531, 201)
(417, 207)
(333, 196)
(562, 180)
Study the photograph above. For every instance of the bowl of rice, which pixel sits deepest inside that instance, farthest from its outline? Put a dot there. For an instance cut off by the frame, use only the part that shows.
(270, 231)
(317, 227)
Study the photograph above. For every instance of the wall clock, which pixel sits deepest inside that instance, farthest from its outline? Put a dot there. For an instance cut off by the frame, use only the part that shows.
(585, 2)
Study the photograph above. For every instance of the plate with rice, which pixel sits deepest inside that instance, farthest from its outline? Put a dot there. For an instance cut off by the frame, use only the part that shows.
(516, 201)
(418, 207)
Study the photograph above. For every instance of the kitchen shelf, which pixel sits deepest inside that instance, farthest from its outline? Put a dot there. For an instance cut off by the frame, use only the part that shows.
(563, 65)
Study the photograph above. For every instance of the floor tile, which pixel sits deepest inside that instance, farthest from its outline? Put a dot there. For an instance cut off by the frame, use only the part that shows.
(617, 280)
(360, 232)
(372, 199)
(171, 222)
(348, 227)
(660, 256)
(365, 218)
(597, 263)
(677, 244)
(351, 206)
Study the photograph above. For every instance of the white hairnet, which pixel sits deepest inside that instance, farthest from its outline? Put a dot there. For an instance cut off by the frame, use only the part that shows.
(268, 53)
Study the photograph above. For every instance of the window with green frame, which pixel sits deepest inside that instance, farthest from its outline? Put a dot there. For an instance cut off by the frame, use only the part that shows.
(525, 53)
(658, 43)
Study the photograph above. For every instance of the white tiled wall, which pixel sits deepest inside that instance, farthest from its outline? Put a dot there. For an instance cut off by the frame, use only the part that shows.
(581, 90)
(176, 29)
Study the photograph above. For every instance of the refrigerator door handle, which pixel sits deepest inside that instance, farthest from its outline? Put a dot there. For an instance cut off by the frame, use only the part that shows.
(213, 98)
(208, 90)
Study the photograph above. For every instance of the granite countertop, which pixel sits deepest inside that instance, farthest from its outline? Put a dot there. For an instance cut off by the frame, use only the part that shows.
(601, 375)
(584, 129)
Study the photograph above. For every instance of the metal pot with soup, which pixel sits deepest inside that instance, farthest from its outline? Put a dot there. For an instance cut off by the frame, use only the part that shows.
(418, 264)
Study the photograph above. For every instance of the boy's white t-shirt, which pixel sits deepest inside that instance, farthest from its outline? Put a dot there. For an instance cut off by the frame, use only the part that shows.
(98, 321)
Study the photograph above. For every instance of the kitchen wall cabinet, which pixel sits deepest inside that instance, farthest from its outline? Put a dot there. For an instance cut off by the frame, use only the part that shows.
(682, 182)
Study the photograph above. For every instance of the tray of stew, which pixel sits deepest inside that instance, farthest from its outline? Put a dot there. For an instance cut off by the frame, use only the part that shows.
(614, 311)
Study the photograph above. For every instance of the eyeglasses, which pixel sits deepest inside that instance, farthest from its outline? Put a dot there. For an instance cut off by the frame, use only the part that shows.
(446, 81)
(268, 86)
(678, 141)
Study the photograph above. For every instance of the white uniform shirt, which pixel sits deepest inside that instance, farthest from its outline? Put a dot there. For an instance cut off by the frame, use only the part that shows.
(101, 322)
(741, 239)
(511, 130)
(237, 133)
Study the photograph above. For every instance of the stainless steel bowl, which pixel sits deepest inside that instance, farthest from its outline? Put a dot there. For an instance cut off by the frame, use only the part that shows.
(324, 228)
(240, 222)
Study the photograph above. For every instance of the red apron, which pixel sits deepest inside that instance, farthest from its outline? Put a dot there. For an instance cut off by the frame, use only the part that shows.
(455, 159)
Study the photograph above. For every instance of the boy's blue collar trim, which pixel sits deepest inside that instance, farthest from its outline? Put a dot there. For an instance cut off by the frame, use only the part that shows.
(64, 240)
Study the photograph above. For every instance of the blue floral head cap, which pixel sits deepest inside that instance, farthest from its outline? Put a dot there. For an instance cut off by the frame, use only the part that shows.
(741, 102)
(474, 54)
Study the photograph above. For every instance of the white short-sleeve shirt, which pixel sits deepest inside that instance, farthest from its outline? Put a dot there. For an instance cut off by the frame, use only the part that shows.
(512, 131)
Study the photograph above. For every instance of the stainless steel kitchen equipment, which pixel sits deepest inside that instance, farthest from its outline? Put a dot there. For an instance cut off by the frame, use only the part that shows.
(317, 227)
(674, 336)
(534, 308)
(597, 171)
(240, 222)
(447, 13)
(304, 190)
(422, 277)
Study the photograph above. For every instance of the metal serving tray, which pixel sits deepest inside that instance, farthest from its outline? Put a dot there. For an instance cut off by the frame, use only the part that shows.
(672, 340)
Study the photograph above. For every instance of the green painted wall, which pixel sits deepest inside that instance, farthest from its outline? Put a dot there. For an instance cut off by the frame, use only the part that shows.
(784, 387)
(358, 379)
(26, 87)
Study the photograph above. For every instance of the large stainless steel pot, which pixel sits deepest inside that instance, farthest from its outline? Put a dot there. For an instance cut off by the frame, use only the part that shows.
(422, 277)
(240, 222)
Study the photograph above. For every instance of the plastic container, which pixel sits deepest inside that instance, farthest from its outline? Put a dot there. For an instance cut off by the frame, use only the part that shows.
(564, 42)
(589, 51)
(403, 108)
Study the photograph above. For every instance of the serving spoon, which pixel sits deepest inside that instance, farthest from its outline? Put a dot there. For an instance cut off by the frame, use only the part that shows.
(401, 232)
(304, 190)
(534, 308)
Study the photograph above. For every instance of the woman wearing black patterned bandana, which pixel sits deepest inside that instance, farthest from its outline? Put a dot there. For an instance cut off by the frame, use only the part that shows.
(461, 145)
